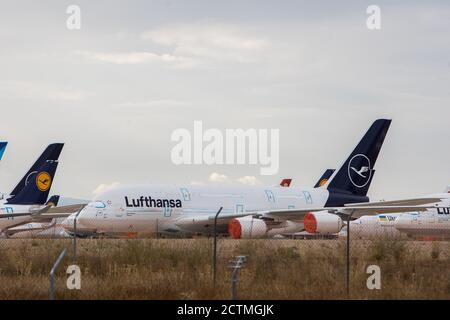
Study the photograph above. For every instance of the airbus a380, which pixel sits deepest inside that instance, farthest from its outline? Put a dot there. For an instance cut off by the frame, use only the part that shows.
(247, 212)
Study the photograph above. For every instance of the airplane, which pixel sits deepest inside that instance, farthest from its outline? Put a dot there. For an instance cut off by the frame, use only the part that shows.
(52, 229)
(28, 200)
(246, 211)
(433, 223)
(48, 226)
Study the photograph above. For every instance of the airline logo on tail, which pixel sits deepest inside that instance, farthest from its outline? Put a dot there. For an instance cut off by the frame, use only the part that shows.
(43, 181)
(359, 170)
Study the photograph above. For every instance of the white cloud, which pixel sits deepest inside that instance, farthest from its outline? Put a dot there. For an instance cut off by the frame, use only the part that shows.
(249, 180)
(153, 103)
(105, 187)
(217, 177)
(40, 91)
(209, 40)
(197, 183)
(137, 57)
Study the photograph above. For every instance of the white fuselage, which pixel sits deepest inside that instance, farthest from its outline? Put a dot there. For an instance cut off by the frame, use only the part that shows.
(430, 223)
(52, 229)
(147, 209)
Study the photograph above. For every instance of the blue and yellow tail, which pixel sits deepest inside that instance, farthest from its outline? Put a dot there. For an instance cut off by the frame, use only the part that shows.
(37, 185)
(51, 153)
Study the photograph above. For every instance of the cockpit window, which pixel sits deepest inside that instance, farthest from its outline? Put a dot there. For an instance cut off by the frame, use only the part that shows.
(97, 204)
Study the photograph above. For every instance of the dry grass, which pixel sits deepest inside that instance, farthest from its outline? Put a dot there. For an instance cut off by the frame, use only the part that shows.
(181, 269)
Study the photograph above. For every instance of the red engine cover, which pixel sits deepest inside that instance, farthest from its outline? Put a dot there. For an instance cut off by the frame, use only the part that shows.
(310, 223)
(234, 229)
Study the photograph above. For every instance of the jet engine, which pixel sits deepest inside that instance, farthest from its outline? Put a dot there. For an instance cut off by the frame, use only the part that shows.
(247, 228)
(322, 222)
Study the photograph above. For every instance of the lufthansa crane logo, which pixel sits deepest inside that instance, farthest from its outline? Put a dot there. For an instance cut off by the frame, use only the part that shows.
(323, 182)
(359, 170)
(43, 181)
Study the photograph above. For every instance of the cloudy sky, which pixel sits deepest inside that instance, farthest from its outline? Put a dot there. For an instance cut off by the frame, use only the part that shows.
(116, 89)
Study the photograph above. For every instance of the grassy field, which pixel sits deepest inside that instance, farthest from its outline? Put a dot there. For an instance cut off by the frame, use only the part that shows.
(181, 269)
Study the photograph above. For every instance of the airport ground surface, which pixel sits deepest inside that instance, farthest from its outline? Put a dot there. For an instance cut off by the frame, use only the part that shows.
(181, 269)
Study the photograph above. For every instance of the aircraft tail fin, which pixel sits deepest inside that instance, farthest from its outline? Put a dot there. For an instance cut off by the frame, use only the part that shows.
(353, 178)
(51, 153)
(285, 182)
(2, 148)
(37, 186)
(324, 178)
(53, 201)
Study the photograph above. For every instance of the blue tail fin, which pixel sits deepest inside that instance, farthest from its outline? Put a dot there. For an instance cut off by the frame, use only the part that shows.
(2, 148)
(350, 183)
(51, 153)
(53, 201)
(37, 186)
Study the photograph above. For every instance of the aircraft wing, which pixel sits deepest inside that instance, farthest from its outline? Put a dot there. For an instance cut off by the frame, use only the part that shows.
(66, 209)
(209, 220)
(405, 202)
(344, 212)
(47, 212)
(299, 214)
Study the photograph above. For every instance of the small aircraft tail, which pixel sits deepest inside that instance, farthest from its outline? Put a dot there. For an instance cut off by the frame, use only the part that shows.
(350, 183)
(2, 148)
(53, 201)
(285, 182)
(37, 186)
(51, 153)
(324, 178)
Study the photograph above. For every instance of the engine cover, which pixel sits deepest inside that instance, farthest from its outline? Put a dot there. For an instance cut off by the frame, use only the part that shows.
(322, 222)
(247, 228)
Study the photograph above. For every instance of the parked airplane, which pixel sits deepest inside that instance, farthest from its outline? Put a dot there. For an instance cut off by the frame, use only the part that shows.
(246, 211)
(432, 223)
(27, 201)
(52, 229)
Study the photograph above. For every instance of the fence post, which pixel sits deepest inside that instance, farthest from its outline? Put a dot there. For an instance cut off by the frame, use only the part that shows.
(75, 235)
(52, 274)
(240, 260)
(348, 254)
(215, 247)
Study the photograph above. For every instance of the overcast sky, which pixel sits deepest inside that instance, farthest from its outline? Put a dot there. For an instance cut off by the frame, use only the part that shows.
(116, 89)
